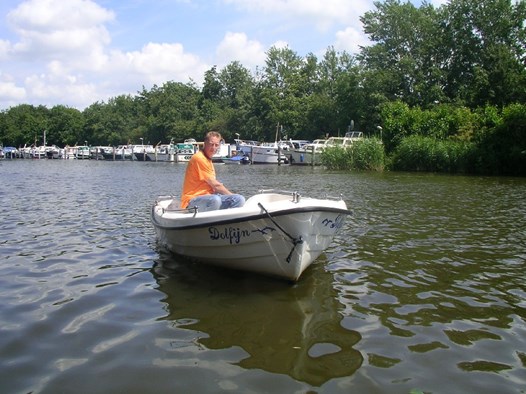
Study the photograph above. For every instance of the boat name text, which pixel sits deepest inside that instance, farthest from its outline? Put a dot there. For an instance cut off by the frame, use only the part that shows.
(336, 223)
(234, 235)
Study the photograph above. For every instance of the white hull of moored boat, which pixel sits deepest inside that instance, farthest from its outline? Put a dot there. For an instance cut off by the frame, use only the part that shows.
(273, 234)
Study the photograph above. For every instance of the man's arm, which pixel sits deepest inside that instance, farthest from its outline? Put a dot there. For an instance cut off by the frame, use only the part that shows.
(218, 186)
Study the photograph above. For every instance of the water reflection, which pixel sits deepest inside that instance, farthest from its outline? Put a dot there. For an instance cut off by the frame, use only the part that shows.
(285, 329)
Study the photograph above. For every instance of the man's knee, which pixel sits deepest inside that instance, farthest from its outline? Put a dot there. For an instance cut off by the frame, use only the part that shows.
(239, 201)
(214, 203)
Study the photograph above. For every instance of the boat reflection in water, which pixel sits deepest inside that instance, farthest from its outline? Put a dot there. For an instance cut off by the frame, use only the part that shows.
(286, 329)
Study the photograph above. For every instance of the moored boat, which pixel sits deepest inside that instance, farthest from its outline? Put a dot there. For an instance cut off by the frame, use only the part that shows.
(141, 152)
(239, 158)
(121, 152)
(272, 152)
(83, 152)
(310, 154)
(10, 152)
(96, 152)
(185, 151)
(275, 233)
(163, 152)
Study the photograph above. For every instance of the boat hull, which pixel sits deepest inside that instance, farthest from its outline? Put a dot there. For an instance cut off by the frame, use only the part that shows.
(305, 157)
(269, 235)
(269, 155)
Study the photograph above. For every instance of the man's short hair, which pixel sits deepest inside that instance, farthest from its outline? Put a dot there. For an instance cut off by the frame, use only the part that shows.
(211, 134)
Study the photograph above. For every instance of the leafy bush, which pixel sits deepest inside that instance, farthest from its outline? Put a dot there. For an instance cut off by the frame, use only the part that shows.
(367, 154)
(501, 149)
(417, 153)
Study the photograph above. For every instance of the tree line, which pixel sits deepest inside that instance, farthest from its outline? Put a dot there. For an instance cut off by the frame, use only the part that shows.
(449, 73)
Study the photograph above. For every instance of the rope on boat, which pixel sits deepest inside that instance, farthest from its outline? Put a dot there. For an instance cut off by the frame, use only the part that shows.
(295, 241)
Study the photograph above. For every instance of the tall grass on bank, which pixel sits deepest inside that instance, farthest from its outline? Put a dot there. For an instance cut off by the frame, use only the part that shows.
(366, 154)
(418, 153)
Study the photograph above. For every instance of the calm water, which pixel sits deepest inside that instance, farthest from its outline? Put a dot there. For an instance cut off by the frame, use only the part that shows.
(423, 291)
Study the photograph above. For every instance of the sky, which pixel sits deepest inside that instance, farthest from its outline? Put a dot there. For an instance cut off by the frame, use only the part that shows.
(78, 52)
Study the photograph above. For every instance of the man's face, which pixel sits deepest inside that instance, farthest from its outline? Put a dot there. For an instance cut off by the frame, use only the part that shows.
(211, 147)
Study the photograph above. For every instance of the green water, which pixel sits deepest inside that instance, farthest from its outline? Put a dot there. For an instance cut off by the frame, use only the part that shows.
(423, 290)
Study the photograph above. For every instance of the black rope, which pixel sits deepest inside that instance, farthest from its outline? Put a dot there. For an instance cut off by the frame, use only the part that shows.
(295, 241)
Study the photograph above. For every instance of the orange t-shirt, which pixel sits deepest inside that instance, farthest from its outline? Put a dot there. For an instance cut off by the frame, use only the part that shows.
(199, 169)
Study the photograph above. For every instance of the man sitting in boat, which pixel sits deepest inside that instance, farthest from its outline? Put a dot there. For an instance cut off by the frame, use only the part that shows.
(201, 189)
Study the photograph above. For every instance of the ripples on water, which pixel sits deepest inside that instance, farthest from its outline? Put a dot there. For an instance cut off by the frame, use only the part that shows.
(423, 290)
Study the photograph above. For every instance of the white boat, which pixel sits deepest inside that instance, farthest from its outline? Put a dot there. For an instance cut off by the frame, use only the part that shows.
(272, 152)
(10, 152)
(83, 152)
(38, 152)
(185, 151)
(121, 152)
(141, 152)
(275, 233)
(96, 152)
(163, 152)
(350, 138)
(225, 150)
(53, 152)
(244, 146)
(239, 158)
(70, 152)
(310, 154)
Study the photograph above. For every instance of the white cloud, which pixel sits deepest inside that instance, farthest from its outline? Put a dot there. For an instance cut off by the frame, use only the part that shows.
(350, 40)
(322, 13)
(57, 28)
(64, 49)
(438, 3)
(9, 92)
(236, 46)
(156, 64)
(64, 90)
(5, 48)
(61, 51)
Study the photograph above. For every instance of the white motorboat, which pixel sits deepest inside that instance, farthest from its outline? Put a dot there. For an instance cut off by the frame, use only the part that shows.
(121, 152)
(239, 158)
(96, 152)
(245, 146)
(310, 154)
(275, 233)
(272, 152)
(163, 152)
(141, 152)
(83, 152)
(185, 151)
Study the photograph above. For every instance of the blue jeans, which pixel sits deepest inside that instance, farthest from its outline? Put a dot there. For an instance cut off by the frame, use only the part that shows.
(212, 202)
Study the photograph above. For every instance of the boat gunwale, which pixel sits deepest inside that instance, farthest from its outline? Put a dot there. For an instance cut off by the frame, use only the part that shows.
(258, 216)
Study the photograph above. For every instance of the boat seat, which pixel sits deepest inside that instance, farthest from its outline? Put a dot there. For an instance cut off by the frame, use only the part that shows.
(174, 205)
(266, 198)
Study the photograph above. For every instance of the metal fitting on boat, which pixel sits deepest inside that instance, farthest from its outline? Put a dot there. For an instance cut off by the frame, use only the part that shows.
(296, 197)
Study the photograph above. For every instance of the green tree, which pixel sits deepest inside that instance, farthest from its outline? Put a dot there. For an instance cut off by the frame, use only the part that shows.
(113, 123)
(469, 52)
(170, 112)
(486, 42)
(281, 96)
(65, 126)
(405, 61)
(237, 99)
(339, 100)
(24, 125)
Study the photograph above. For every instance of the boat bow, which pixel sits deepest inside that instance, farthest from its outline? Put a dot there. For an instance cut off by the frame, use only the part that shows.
(274, 233)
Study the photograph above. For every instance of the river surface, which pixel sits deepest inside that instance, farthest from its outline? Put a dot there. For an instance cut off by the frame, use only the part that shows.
(423, 291)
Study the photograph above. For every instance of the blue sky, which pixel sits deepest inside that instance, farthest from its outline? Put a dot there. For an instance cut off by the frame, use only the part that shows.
(77, 52)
